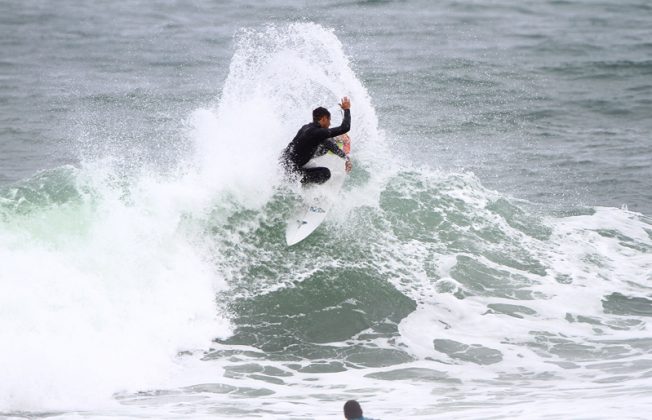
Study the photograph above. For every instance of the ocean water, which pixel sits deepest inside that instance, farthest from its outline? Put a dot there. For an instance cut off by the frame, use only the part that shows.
(491, 256)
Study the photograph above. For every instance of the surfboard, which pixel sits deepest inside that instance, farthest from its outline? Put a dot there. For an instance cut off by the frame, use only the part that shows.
(317, 199)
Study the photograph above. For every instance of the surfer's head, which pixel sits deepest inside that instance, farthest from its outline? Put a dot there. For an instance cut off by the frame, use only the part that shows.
(322, 117)
(352, 410)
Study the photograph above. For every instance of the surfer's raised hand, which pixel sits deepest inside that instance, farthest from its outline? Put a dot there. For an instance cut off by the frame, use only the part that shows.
(346, 103)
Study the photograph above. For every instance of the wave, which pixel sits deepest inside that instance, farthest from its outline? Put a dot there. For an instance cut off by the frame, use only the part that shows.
(107, 277)
(108, 273)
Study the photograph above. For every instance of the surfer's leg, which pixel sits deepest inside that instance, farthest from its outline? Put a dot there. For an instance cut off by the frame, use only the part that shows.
(315, 175)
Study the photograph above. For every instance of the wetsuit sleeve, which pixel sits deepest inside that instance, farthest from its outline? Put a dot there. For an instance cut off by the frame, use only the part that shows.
(330, 145)
(342, 129)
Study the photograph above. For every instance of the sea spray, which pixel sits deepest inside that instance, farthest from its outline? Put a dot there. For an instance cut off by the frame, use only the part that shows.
(276, 77)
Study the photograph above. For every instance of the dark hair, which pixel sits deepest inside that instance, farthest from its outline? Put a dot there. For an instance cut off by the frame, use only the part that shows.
(317, 113)
(352, 410)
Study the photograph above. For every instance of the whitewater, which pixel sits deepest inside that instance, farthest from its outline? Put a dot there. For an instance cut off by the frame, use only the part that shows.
(130, 289)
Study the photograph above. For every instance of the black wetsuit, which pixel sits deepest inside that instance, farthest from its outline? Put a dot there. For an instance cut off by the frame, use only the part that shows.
(304, 145)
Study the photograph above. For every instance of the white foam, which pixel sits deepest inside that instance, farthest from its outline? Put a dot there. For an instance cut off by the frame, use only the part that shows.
(596, 264)
(103, 308)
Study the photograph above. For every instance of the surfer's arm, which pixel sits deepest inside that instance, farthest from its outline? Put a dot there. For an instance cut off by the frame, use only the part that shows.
(342, 129)
(331, 146)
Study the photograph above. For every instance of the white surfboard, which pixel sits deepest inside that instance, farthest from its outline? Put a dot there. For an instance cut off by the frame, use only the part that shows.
(317, 199)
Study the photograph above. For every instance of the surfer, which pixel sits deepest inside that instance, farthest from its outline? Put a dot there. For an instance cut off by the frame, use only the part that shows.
(308, 139)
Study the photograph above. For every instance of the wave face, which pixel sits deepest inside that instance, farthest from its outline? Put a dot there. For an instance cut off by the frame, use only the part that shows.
(424, 293)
